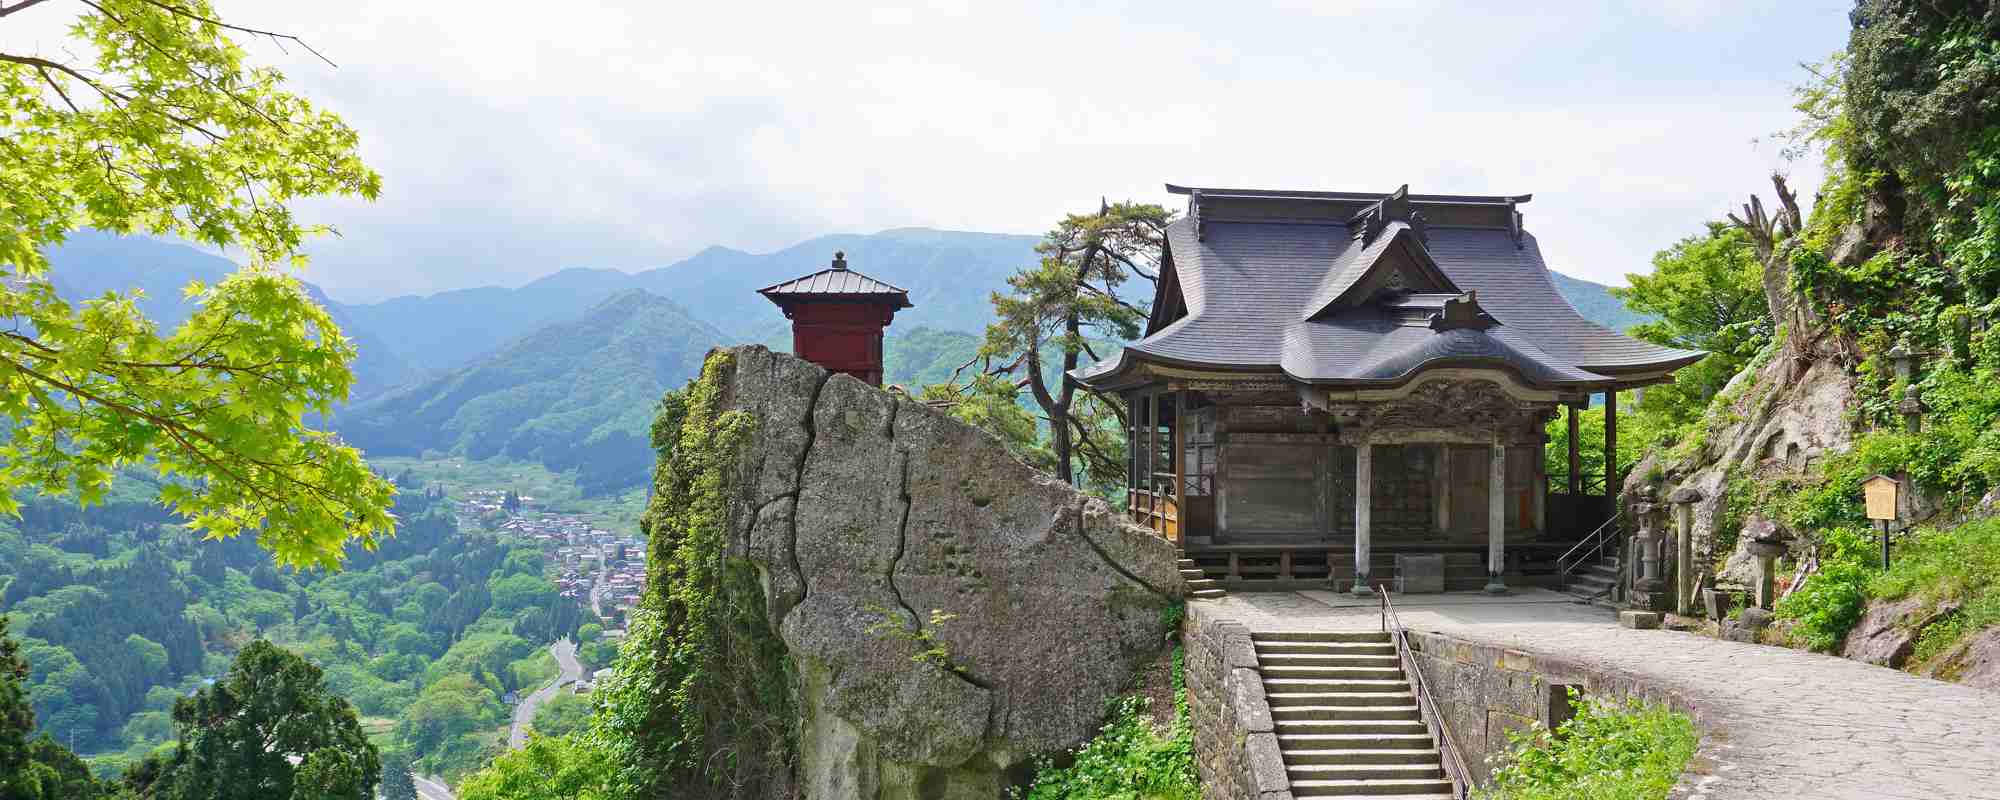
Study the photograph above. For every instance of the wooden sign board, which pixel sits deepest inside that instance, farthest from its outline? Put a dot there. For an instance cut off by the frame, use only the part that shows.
(1880, 492)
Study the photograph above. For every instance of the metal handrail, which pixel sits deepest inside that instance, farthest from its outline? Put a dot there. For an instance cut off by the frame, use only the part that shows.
(1451, 759)
(1596, 540)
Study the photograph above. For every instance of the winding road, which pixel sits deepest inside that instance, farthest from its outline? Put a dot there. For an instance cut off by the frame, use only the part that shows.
(430, 788)
(569, 669)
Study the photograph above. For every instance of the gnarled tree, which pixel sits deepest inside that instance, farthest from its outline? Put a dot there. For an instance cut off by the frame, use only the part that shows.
(1057, 308)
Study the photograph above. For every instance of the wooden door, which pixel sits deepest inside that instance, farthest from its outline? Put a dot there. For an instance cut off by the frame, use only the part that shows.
(1471, 471)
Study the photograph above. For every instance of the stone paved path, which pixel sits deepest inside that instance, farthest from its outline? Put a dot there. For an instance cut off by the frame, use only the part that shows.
(1777, 723)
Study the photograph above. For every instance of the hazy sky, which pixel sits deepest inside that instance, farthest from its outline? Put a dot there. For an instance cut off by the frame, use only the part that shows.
(518, 138)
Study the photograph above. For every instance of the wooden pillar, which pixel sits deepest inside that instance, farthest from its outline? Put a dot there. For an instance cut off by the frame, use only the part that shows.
(1131, 452)
(1364, 480)
(1442, 497)
(1496, 520)
(1538, 483)
(1575, 456)
(1179, 461)
(1611, 481)
(1153, 461)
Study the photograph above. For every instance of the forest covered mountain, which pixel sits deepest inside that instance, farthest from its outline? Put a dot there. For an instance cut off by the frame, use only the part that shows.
(576, 395)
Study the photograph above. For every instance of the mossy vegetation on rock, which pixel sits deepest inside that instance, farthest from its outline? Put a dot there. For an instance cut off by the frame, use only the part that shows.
(702, 702)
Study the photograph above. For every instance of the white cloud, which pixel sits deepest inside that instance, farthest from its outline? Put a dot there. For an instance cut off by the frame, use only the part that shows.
(516, 139)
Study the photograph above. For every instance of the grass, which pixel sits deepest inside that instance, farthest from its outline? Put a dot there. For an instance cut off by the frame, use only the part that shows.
(1956, 566)
(1611, 750)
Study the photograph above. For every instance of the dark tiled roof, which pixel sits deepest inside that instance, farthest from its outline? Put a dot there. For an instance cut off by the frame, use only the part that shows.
(836, 282)
(1257, 297)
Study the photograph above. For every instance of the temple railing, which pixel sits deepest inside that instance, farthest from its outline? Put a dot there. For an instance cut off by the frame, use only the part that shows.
(1591, 548)
(1448, 752)
(1155, 510)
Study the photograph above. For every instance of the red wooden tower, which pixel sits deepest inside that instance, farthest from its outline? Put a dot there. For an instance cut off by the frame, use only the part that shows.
(838, 316)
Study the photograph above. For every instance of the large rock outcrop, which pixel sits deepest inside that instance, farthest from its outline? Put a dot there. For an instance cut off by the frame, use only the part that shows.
(1780, 416)
(951, 611)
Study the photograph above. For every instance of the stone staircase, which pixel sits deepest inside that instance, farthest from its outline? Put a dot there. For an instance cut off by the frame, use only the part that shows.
(1346, 719)
(1199, 585)
(1593, 582)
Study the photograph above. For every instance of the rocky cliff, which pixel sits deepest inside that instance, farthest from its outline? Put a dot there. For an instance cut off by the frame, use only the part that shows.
(945, 612)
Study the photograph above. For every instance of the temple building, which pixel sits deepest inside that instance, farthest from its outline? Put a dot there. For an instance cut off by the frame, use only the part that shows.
(1354, 387)
(838, 317)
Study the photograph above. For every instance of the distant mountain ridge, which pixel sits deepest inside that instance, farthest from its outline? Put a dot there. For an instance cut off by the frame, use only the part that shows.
(566, 369)
(578, 394)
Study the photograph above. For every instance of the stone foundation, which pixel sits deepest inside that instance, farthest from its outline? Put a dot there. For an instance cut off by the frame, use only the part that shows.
(1483, 692)
(1235, 748)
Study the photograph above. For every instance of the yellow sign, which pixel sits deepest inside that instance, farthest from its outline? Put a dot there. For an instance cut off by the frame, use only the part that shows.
(1880, 492)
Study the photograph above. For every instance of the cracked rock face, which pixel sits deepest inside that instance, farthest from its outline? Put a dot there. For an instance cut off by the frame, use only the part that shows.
(952, 610)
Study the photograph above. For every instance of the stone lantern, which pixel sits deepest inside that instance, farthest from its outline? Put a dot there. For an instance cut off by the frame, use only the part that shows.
(1766, 543)
(1648, 588)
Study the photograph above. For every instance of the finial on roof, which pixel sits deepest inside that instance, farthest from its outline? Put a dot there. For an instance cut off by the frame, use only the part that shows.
(840, 260)
(1462, 311)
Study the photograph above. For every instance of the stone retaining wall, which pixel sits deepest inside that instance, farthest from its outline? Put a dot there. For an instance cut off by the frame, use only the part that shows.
(1235, 748)
(1483, 691)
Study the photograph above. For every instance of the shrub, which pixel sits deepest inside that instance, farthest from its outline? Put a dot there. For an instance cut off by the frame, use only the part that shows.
(1129, 759)
(1828, 604)
(1611, 750)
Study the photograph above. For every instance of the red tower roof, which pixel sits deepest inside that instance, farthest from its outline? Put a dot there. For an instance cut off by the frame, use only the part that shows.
(836, 283)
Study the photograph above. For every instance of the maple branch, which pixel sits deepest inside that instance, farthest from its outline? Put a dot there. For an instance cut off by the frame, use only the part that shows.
(273, 35)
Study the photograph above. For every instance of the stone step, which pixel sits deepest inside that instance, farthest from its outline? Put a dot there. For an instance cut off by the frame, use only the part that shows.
(1593, 579)
(1320, 636)
(1274, 669)
(1325, 659)
(1430, 756)
(1198, 584)
(1206, 594)
(1381, 712)
(1325, 648)
(1353, 772)
(1355, 741)
(1399, 789)
(1193, 574)
(1338, 699)
(1189, 563)
(1284, 685)
(1350, 726)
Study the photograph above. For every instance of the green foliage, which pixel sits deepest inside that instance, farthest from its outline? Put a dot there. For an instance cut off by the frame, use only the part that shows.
(563, 715)
(930, 649)
(1609, 751)
(1828, 604)
(1707, 292)
(269, 728)
(146, 119)
(570, 767)
(701, 695)
(1130, 759)
(397, 782)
